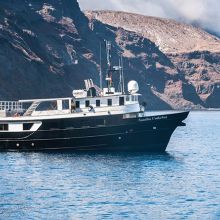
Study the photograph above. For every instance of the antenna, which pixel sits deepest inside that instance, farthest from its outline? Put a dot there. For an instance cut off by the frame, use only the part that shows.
(108, 52)
(122, 75)
(100, 72)
(111, 69)
(120, 72)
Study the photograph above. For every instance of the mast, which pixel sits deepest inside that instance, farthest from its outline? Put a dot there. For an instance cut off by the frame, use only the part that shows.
(100, 72)
(111, 69)
(108, 53)
(122, 75)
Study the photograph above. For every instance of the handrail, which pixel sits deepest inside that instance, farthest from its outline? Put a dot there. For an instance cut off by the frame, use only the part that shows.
(10, 106)
(42, 100)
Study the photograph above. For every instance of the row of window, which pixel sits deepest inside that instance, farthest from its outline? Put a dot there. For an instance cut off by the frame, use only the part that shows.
(132, 98)
(3, 127)
(98, 102)
(26, 127)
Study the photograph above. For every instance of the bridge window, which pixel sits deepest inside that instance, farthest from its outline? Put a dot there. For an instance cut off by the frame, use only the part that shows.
(127, 98)
(121, 100)
(3, 127)
(133, 98)
(98, 103)
(45, 106)
(109, 102)
(87, 103)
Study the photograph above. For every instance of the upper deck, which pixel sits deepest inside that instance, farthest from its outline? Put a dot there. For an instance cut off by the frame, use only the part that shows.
(76, 107)
(91, 101)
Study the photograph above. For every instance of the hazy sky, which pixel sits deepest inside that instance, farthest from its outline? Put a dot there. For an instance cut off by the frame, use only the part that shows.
(204, 12)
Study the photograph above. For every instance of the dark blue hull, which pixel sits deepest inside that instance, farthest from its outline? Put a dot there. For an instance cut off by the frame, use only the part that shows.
(104, 133)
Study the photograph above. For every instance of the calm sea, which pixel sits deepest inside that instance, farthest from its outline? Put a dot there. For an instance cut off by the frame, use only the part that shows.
(184, 183)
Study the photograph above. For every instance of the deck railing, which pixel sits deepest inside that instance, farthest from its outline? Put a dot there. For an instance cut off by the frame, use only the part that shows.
(10, 106)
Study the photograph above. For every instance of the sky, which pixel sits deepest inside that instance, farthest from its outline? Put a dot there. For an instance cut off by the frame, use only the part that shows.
(206, 13)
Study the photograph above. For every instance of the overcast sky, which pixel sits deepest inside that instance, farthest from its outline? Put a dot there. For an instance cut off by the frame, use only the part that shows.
(204, 12)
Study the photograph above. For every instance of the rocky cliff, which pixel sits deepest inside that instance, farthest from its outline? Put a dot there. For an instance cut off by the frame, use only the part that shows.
(48, 47)
(193, 52)
(44, 47)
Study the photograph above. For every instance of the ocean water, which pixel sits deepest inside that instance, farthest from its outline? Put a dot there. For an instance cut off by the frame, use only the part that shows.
(184, 183)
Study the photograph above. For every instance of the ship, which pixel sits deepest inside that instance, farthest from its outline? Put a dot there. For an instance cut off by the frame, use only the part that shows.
(96, 118)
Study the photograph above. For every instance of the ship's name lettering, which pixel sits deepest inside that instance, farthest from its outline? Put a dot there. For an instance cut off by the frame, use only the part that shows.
(153, 118)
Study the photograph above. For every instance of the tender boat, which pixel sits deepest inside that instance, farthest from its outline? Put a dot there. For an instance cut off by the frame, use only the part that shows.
(94, 118)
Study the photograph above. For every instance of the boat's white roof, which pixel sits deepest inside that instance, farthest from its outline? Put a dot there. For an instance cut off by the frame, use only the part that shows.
(69, 98)
(43, 100)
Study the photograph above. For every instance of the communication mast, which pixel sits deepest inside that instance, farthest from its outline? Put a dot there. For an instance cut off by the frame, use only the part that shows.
(100, 71)
(111, 69)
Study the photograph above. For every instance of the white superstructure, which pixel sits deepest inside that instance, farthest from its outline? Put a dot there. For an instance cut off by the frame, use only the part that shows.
(92, 101)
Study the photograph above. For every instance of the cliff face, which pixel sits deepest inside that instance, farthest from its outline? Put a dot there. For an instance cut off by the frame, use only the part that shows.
(202, 70)
(44, 47)
(193, 52)
(170, 36)
(48, 47)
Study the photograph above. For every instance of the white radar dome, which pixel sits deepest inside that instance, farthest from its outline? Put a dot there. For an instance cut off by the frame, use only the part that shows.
(133, 87)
